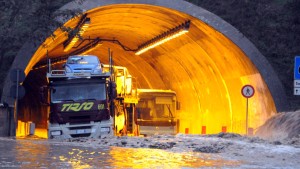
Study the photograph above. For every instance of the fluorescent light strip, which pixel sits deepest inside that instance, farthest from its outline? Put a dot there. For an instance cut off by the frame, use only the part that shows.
(83, 28)
(71, 44)
(161, 41)
(162, 38)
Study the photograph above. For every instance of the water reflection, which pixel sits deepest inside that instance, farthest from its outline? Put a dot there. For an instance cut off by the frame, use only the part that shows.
(32, 154)
(24, 153)
(155, 158)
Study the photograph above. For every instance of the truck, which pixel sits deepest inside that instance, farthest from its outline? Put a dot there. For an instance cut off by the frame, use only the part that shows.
(156, 112)
(91, 99)
(142, 111)
(125, 100)
(81, 100)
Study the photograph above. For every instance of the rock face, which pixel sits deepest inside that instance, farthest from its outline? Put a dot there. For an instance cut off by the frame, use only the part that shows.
(282, 126)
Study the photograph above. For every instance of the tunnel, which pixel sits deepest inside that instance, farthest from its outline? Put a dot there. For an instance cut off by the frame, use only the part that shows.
(206, 67)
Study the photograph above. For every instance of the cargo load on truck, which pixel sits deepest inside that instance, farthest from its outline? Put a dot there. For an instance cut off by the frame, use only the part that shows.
(82, 64)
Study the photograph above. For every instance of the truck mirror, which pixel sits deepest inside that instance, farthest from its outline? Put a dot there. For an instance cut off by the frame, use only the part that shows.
(177, 105)
(43, 92)
(113, 90)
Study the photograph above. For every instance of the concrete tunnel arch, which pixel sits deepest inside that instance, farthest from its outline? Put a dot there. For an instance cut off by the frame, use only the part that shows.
(207, 67)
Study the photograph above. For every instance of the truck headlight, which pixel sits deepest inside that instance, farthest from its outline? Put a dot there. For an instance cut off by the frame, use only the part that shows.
(105, 129)
(56, 133)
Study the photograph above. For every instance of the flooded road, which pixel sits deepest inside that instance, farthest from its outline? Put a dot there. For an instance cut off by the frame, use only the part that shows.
(223, 150)
(39, 153)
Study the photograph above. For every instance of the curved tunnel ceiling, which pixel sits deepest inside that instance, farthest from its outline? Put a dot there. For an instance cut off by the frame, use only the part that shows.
(206, 67)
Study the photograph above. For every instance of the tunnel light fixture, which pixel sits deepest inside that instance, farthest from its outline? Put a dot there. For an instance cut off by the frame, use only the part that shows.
(91, 45)
(71, 44)
(82, 25)
(91, 49)
(164, 37)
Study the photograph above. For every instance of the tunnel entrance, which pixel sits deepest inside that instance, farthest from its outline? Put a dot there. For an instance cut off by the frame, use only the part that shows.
(206, 67)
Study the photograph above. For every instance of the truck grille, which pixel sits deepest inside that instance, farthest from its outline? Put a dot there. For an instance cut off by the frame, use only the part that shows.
(79, 117)
(81, 131)
(80, 135)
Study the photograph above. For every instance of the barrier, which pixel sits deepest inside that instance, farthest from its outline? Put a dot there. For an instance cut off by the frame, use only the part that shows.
(250, 131)
(31, 126)
(224, 129)
(186, 130)
(203, 131)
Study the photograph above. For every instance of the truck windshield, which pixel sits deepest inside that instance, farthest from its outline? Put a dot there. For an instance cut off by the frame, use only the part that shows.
(149, 110)
(77, 92)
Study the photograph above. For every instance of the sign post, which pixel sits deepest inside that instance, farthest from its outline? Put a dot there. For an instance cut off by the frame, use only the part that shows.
(297, 76)
(17, 91)
(247, 91)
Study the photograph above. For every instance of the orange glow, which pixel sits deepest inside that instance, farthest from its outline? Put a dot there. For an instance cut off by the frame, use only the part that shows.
(42, 154)
(75, 161)
(155, 158)
(204, 67)
(23, 130)
(40, 132)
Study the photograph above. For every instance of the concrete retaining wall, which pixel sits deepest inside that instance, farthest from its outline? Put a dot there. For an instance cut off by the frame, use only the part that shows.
(7, 127)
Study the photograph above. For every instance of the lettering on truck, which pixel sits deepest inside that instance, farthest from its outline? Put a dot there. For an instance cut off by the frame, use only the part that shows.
(77, 106)
(100, 106)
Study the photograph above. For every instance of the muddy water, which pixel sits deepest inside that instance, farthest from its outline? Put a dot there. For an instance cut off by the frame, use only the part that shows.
(24, 153)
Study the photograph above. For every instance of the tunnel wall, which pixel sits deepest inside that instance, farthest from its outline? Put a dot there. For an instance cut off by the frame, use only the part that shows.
(265, 69)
